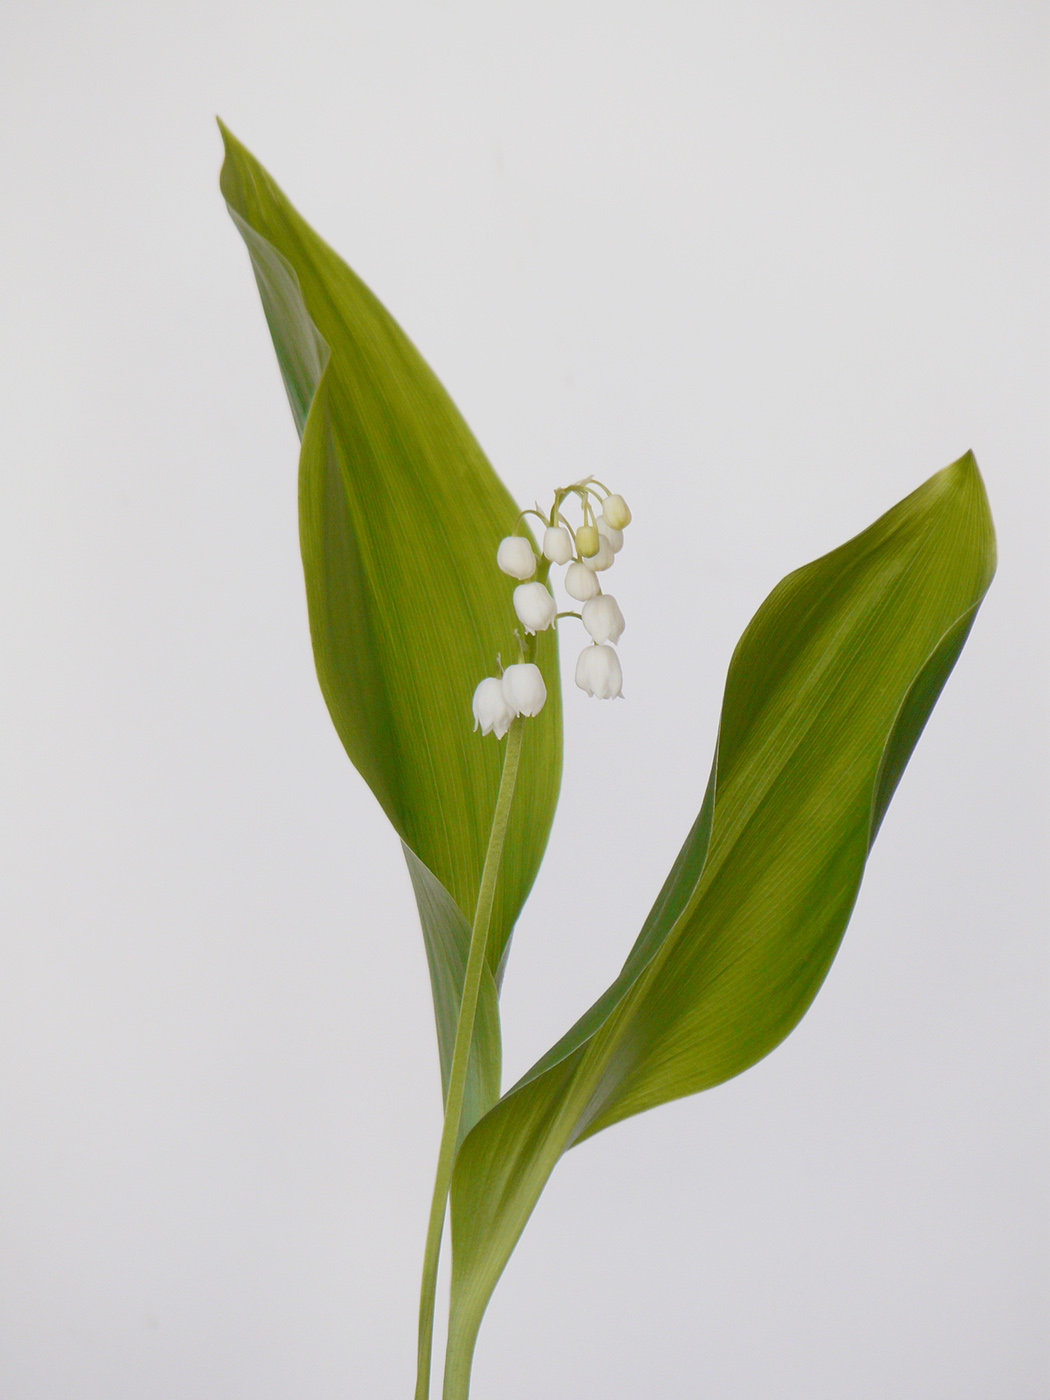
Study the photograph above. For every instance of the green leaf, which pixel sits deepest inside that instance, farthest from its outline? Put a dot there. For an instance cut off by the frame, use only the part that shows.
(400, 517)
(827, 693)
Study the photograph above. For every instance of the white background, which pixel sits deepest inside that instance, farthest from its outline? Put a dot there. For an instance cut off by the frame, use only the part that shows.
(762, 267)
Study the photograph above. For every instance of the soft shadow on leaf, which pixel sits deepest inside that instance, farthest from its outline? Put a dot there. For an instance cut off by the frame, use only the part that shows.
(400, 517)
(447, 937)
(827, 693)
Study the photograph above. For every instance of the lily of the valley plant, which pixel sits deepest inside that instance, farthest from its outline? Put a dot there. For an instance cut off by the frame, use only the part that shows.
(447, 700)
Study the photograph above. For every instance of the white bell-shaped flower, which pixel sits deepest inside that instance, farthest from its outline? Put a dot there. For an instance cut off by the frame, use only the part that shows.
(616, 512)
(535, 606)
(523, 688)
(615, 537)
(580, 582)
(557, 544)
(602, 618)
(598, 672)
(491, 711)
(515, 557)
(603, 559)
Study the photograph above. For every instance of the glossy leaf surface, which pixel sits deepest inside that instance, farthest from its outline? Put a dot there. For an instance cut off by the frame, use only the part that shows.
(400, 519)
(827, 693)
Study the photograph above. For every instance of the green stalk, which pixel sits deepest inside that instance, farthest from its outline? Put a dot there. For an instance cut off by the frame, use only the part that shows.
(479, 937)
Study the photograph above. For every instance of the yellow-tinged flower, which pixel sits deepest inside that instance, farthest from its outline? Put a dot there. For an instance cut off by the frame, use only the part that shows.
(616, 512)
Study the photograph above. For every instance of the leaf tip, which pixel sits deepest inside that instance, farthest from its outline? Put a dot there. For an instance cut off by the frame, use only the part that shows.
(230, 145)
(239, 171)
(229, 141)
(958, 475)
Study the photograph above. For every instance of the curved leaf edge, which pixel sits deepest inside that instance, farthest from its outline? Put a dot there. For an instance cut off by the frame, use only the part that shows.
(445, 928)
(672, 902)
(558, 1063)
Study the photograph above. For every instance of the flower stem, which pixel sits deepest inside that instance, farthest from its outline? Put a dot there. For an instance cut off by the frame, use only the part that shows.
(479, 936)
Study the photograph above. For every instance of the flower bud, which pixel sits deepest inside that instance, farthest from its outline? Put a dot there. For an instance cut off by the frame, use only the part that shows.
(535, 606)
(616, 512)
(515, 557)
(587, 540)
(491, 711)
(615, 537)
(580, 582)
(598, 672)
(523, 688)
(604, 557)
(557, 544)
(602, 618)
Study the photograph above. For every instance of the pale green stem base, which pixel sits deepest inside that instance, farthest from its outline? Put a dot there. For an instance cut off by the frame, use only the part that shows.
(479, 936)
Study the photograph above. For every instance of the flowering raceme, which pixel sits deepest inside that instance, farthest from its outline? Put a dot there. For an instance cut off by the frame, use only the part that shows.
(589, 550)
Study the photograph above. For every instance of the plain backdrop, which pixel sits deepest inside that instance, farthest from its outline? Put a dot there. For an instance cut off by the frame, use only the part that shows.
(762, 267)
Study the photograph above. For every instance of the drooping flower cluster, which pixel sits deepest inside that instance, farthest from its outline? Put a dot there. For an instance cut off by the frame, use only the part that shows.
(589, 550)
